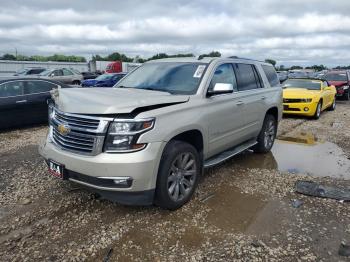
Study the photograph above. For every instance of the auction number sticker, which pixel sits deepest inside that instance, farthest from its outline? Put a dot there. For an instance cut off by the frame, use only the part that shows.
(199, 71)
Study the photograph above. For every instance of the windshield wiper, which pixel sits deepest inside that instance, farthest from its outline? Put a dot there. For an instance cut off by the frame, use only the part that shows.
(154, 89)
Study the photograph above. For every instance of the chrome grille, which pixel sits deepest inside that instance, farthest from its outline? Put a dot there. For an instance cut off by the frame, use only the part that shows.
(76, 121)
(85, 134)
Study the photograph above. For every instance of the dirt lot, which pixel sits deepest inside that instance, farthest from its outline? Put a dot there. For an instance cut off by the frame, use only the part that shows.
(241, 211)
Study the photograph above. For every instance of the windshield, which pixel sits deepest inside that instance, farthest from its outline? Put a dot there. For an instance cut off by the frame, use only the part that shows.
(104, 77)
(308, 84)
(172, 77)
(336, 77)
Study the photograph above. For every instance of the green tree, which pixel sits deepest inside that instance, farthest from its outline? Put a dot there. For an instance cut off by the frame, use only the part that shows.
(8, 57)
(211, 54)
(270, 61)
(317, 67)
(295, 67)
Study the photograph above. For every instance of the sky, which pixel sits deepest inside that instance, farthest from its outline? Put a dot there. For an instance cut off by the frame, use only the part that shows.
(300, 32)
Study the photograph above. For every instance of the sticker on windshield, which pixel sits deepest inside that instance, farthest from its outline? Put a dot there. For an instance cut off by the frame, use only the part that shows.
(199, 71)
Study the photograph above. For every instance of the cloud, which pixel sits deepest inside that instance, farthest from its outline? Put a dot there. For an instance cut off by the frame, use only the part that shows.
(288, 31)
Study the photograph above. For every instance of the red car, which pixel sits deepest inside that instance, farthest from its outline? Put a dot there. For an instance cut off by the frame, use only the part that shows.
(341, 81)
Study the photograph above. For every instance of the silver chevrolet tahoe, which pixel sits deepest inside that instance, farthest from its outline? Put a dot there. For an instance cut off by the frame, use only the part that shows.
(148, 139)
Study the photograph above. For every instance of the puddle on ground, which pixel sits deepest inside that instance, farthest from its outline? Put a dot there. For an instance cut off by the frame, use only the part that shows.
(232, 210)
(302, 153)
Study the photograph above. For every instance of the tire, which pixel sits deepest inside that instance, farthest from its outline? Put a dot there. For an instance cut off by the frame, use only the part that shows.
(76, 82)
(175, 188)
(318, 111)
(333, 106)
(267, 135)
(347, 96)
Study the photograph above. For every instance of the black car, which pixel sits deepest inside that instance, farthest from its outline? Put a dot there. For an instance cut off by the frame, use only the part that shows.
(23, 101)
(90, 75)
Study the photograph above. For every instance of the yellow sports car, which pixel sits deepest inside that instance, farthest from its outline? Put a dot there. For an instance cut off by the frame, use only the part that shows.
(308, 97)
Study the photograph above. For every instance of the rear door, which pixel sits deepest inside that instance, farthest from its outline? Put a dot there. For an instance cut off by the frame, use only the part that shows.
(67, 76)
(13, 104)
(252, 95)
(38, 92)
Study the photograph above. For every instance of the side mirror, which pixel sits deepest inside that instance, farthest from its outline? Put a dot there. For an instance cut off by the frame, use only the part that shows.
(221, 88)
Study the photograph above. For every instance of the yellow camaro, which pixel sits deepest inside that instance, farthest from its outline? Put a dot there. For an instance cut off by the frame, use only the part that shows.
(308, 97)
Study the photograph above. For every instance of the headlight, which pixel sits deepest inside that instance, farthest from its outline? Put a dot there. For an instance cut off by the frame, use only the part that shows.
(51, 111)
(345, 87)
(306, 100)
(123, 135)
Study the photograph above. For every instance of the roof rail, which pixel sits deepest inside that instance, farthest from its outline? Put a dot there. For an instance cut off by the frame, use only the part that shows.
(244, 58)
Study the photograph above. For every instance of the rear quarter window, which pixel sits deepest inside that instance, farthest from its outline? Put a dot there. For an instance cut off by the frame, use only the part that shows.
(271, 75)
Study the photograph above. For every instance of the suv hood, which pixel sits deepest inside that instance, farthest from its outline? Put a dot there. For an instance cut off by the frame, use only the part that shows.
(110, 101)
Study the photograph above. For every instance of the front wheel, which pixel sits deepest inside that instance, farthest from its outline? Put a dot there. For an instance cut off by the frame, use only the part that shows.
(178, 174)
(318, 110)
(267, 135)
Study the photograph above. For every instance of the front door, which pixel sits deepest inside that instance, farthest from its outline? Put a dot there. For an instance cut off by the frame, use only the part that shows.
(225, 113)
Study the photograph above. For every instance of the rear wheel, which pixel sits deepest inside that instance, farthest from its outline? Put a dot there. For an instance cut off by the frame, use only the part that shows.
(333, 106)
(76, 82)
(178, 175)
(267, 135)
(318, 110)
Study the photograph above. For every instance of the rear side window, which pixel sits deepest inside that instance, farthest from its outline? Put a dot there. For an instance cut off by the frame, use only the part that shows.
(13, 88)
(246, 77)
(34, 87)
(224, 74)
(271, 75)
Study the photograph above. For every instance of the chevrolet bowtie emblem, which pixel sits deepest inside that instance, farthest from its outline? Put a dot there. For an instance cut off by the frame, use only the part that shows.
(63, 129)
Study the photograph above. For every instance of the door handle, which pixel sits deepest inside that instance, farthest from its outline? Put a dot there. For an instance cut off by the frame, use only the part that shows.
(21, 101)
(263, 97)
(239, 103)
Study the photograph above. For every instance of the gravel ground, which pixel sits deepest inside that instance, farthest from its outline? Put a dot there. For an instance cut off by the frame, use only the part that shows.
(242, 210)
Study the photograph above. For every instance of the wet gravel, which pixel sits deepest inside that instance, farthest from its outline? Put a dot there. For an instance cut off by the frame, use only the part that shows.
(242, 211)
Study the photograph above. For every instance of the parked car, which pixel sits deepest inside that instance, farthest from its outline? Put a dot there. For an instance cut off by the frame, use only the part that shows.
(147, 139)
(23, 101)
(298, 74)
(308, 97)
(282, 76)
(63, 75)
(90, 75)
(119, 66)
(105, 80)
(341, 81)
(29, 71)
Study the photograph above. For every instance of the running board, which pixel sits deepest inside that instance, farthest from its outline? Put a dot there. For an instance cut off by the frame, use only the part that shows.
(217, 159)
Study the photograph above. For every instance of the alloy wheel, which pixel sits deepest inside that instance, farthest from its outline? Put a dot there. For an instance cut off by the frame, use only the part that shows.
(269, 134)
(182, 176)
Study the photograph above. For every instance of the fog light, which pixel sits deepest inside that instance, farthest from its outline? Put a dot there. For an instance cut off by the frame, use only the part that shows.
(120, 181)
(306, 109)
